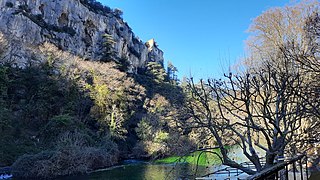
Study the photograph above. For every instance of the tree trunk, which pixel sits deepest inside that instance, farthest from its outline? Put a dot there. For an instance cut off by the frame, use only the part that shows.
(269, 160)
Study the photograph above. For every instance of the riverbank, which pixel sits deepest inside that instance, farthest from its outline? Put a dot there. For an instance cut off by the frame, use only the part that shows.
(196, 158)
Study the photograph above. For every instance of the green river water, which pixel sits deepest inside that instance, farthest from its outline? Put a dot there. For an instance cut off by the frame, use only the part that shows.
(168, 168)
(144, 171)
(171, 168)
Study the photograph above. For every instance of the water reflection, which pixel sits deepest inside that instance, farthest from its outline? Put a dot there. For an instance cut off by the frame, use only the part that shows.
(144, 172)
(138, 170)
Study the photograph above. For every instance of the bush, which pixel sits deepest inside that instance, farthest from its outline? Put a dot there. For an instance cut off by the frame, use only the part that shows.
(72, 156)
(62, 162)
(96, 7)
(118, 12)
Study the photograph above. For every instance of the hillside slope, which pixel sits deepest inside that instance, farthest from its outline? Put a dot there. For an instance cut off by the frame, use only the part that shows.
(64, 108)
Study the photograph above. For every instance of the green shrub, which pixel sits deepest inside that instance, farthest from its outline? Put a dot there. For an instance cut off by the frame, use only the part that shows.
(161, 137)
(56, 126)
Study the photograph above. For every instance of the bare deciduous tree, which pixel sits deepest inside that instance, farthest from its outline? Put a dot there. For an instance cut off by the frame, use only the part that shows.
(309, 63)
(294, 32)
(262, 109)
(277, 26)
(274, 106)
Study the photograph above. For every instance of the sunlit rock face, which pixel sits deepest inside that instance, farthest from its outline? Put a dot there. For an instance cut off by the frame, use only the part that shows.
(71, 25)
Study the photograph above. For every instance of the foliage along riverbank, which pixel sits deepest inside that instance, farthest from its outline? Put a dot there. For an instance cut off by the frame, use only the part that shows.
(199, 158)
(62, 115)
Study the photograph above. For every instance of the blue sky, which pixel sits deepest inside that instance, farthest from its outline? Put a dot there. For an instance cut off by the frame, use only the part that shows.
(202, 38)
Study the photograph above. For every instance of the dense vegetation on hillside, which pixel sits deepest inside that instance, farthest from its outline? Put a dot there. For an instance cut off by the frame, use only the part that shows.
(63, 115)
(59, 104)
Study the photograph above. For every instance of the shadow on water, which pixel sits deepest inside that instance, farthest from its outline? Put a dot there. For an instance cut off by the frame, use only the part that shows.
(143, 171)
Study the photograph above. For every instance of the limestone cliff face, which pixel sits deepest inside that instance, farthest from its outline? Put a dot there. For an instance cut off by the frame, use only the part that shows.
(72, 25)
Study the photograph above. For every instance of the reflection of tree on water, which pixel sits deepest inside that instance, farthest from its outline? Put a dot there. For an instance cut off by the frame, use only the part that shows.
(154, 172)
(236, 154)
(146, 171)
(171, 171)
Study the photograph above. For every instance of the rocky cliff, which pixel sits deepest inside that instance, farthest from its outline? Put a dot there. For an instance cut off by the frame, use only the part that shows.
(76, 26)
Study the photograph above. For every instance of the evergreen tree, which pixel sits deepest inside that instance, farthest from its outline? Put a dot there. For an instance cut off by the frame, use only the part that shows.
(156, 71)
(171, 70)
(109, 52)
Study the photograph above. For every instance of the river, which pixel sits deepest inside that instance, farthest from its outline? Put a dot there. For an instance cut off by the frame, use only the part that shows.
(143, 171)
(138, 170)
